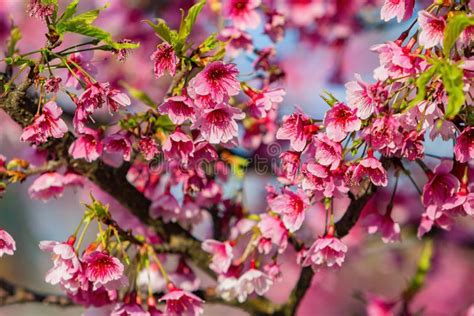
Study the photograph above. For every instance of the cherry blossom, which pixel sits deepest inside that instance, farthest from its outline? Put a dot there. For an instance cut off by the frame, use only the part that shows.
(339, 121)
(401, 9)
(221, 254)
(48, 124)
(87, 146)
(432, 29)
(7, 243)
(164, 60)
(179, 302)
(242, 13)
(291, 206)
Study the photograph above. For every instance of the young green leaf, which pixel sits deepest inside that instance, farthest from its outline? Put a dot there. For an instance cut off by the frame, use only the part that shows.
(329, 98)
(452, 76)
(70, 11)
(188, 22)
(421, 83)
(163, 31)
(456, 24)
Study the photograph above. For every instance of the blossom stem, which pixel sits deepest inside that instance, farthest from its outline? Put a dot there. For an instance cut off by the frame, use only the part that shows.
(392, 198)
(159, 264)
(83, 233)
(94, 42)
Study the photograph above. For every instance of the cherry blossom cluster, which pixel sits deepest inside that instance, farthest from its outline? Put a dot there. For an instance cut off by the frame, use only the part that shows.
(180, 153)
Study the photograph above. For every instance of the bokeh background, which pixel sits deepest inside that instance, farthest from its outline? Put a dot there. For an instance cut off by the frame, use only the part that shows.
(371, 268)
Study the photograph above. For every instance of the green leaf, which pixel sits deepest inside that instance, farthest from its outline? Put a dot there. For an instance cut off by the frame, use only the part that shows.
(456, 24)
(188, 22)
(97, 209)
(15, 37)
(163, 31)
(421, 84)
(209, 44)
(164, 123)
(70, 11)
(86, 18)
(424, 266)
(139, 94)
(80, 27)
(329, 98)
(452, 76)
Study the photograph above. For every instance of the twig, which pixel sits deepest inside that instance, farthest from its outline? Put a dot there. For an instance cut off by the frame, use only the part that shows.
(13, 294)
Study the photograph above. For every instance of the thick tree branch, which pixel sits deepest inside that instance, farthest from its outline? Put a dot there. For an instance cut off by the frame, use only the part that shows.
(13, 294)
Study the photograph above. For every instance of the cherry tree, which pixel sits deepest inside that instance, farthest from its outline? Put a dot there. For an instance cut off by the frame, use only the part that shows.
(168, 158)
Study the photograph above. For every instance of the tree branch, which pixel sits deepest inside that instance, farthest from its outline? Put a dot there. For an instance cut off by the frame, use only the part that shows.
(13, 294)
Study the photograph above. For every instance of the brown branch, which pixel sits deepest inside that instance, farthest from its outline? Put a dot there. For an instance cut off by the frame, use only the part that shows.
(13, 294)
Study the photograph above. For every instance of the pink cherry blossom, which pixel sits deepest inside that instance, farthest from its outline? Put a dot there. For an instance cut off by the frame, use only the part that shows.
(130, 307)
(412, 145)
(87, 146)
(238, 41)
(317, 179)
(433, 217)
(221, 254)
(179, 302)
(341, 120)
(243, 13)
(366, 98)
(217, 80)
(275, 26)
(328, 153)
(290, 162)
(66, 264)
(119, 143)
(376, 222)
(102, 269)
(178, 146)
(46, 186)
(293, 129)
(378, 306)
(7, 243)
(52, 84)
(273, 229)
(167, 207)
(179, 109)
(40, 10)
(84, 61)
(432, 29)
(97, 94)
(291, 206)
(48, 124)
(219, 125)
(164, 60)
(441, 187)
(401, 9)
(148, 147)
(114, 98)
(327, 251)
(464, 147)
(383, 135)
(372, 168)
(397, 61)
(88, 296)
(251, 281)
(274, 271)
(264, 101)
